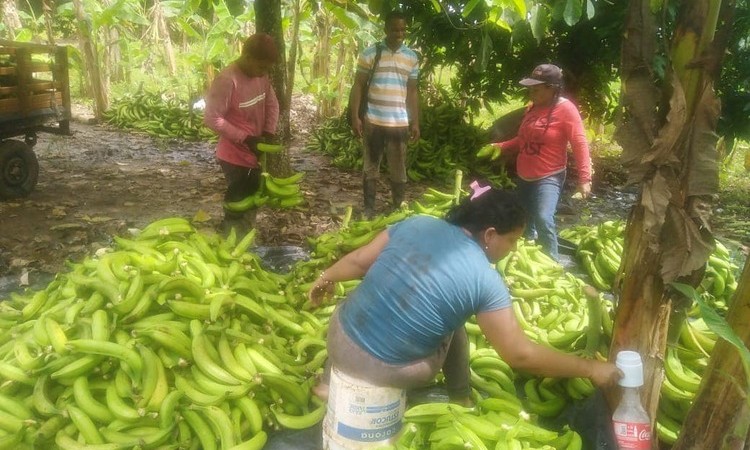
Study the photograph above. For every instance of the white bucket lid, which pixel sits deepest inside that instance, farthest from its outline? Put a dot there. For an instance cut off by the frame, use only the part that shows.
(632, 368)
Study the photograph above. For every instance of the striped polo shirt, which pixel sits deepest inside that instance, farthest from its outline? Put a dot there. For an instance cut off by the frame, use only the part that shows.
(386, 105)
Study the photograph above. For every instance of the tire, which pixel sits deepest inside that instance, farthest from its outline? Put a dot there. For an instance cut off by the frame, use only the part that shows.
(19, 169)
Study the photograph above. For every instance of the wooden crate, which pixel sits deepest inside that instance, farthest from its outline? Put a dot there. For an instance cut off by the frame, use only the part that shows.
(33, 83)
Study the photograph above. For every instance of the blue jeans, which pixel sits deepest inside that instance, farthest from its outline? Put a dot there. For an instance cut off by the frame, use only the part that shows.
(540, 199)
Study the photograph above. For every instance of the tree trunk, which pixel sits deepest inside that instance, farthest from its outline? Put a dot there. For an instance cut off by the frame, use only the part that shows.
(10, 17)
(293, 47)
(344, 69)
(321, 62)
(268, 20)
(91, 60)
(718, 417)
(111, 56)
(669, 148)
(48, 7)
(161, 32)
(642, 318)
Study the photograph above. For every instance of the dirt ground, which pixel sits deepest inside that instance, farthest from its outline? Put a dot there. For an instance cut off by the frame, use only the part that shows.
(102, 182)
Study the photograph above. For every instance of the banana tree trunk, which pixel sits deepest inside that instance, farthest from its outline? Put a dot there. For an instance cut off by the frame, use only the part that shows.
(111, 60)
(161, 32)
(11, 20)
(293, 47)
(91, 60)
(668, 137)
(48, 7)
(718, 418)
(321, 63)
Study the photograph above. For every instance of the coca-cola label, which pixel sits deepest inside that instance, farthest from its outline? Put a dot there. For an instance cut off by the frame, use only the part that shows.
(633, 435)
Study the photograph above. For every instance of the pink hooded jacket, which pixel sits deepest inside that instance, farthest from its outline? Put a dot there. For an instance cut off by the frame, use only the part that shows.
(238, 106)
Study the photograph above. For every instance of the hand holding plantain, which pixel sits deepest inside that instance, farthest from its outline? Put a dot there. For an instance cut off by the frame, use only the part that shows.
(321, 290)
(251, 142)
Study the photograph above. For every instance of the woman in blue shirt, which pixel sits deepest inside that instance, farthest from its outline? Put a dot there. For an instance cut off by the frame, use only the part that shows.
(423, 278)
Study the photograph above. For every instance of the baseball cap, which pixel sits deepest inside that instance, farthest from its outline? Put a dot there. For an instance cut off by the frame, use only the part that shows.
(544, 74)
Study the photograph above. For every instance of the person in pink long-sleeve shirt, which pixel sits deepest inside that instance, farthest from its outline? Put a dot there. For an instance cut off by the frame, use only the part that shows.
(550, 123)
(241, 106)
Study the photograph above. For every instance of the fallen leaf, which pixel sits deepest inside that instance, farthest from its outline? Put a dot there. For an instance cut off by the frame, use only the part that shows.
(67, 227)
(99, 219)
(58, 213)
(19, 262)
(24, 280)
(201, 216)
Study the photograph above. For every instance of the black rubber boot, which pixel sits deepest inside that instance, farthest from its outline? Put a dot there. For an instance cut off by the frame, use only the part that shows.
(369, 188)
(398, 190)
(250, 218)
(229, 222)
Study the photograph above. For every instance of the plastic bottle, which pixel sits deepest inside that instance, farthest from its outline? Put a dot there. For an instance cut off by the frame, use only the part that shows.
(630, 420)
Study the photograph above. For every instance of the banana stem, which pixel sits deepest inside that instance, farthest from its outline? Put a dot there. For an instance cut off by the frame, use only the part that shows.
(457, 186)
(594, 330)
(347, 217)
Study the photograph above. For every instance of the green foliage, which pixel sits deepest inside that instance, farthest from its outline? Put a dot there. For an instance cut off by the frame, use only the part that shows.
(732, 213)
(734, 84)
(495, 46)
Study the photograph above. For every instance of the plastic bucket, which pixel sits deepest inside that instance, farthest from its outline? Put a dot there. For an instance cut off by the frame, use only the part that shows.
(361, 415)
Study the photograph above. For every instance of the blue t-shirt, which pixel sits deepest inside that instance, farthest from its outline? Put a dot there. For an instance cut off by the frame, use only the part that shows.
(426, 282)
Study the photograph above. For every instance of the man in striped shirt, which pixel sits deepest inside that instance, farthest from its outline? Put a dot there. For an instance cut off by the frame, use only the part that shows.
(392, 113)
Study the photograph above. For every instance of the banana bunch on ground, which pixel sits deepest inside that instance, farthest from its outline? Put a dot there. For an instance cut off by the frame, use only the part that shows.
(283, 192)
(686, 361)
(158, 114)
(677, 392)
(334, 137)
(446, 144)
(719, 282)
(548, 397)
(492, 377)
(436, 203)
(496, 423)
(554, 309)
(552, 306)
(177, 338)
(599, 250)
(353, 234)
(684, 366)
(276, 192)
(172, 338)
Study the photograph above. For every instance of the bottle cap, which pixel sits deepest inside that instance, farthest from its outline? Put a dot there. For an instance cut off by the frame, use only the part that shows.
(632, 368)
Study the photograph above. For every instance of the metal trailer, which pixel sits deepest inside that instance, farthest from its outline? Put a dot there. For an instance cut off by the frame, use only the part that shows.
(34, 95)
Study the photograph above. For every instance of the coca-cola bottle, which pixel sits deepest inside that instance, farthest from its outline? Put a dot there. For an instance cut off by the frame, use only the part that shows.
(631, 423)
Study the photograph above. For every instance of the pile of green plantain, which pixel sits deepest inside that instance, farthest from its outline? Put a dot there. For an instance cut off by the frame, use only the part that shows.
(599, 250)
(447, 143)
(176, 338)
(158, 114)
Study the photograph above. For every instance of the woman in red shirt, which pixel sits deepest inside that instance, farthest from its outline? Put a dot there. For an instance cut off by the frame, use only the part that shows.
(550, 123)
(241, 106)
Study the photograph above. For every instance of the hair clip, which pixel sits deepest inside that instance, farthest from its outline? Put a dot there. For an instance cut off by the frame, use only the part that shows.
(478, 190)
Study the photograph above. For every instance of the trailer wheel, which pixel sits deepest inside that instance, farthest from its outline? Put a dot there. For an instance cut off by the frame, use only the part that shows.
(19, 169)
